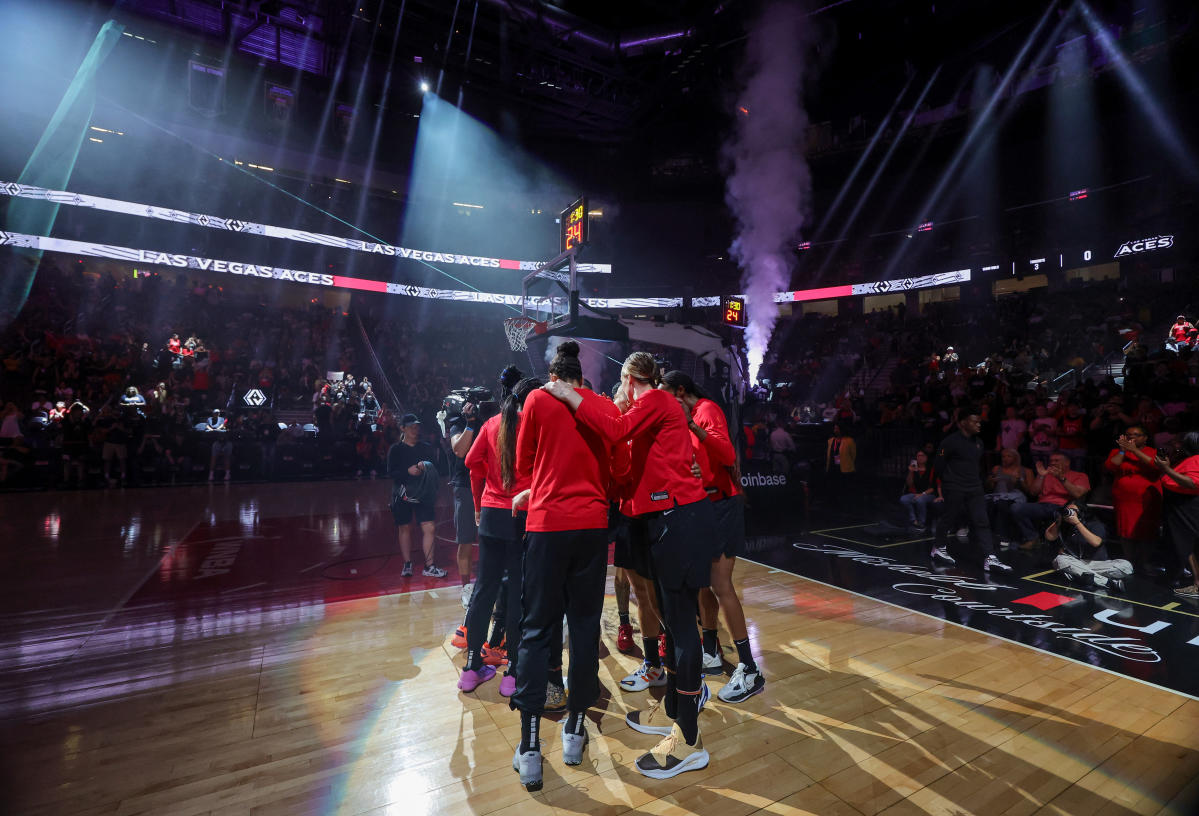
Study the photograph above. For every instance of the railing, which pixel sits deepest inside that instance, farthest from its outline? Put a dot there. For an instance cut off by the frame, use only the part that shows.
(1058, 383)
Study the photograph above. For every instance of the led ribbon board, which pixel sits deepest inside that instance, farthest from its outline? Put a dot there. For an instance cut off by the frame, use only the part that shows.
(114, 205)
(149, 256)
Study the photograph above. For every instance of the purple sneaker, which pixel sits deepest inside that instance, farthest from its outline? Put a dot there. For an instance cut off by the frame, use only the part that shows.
(471, 680)
(508, 685)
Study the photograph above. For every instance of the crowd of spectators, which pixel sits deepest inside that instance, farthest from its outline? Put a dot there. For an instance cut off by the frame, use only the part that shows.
(1092, 388)
(108, 349)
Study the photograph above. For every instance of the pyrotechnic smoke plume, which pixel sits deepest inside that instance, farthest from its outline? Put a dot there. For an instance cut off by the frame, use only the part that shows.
(768, 183)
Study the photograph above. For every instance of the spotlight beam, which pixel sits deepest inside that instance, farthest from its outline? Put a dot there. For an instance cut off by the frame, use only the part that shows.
(979, 126)
(470, 41)
(1140, 93)
(878, 171)
(365, 192)
(836, 205)
(448, 40)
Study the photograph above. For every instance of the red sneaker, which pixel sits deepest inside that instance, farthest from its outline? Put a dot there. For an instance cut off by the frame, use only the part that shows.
(624, 638)
(494, 657)
(662, 645)
(458, 641)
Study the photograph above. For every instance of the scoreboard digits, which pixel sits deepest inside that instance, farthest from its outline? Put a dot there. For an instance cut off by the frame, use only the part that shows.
(574, 223)
(733, 309)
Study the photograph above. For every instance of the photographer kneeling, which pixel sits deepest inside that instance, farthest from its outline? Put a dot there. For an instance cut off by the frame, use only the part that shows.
(1082, 556)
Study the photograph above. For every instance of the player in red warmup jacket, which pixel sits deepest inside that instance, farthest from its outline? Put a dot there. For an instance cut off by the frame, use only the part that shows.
(565, 560)
(665, 493)
(494, 484)
(710, 437)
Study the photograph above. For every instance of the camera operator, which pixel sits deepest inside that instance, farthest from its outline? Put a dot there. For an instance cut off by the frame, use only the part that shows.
(1082, 555)
(461, 434)
(222, 447)
(370, 406)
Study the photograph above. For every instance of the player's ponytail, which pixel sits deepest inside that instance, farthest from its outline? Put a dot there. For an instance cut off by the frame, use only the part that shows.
(509, 424)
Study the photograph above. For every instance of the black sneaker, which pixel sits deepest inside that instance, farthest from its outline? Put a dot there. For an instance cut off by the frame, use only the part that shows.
(406, 572)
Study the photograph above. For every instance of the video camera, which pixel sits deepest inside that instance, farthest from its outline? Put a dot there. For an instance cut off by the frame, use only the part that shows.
(451, 407)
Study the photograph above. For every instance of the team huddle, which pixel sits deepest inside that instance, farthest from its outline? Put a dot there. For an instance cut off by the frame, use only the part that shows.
(558, 475)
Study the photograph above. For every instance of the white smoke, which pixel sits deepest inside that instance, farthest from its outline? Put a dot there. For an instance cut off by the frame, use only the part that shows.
(768, 182)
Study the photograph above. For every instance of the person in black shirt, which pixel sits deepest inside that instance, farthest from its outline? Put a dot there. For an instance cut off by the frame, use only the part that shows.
(958, 466)
(407, 462)
(116, 441)
(466, 531)
(76, 430)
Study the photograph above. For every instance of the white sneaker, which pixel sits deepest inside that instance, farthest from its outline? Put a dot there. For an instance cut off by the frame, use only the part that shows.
(644, 677)
(573, 745)
(713, 663)
(941, 554)
(742, 686)
(467, 591)
(433, 571)
(993, 562)
(528, 765)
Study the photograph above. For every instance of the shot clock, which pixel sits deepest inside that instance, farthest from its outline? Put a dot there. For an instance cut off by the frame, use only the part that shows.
(733, 309)
(573, 221)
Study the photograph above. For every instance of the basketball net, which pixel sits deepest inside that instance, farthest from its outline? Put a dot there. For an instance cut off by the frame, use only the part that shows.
(518, 330)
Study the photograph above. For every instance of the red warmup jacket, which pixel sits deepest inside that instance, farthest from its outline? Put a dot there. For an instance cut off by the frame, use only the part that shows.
(569, 465)
(483, 460)
(661, 450)
(705, 467)
(719, 448)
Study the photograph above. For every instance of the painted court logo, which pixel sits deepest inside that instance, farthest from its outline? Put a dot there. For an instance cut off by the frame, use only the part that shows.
(947, 588)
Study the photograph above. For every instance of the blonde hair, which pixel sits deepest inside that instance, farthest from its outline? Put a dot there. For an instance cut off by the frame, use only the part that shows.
(640, 366)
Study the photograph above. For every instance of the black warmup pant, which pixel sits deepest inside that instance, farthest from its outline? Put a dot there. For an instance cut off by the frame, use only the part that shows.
(564, 571)
(496, 555)
(682, 564)
(961, 505)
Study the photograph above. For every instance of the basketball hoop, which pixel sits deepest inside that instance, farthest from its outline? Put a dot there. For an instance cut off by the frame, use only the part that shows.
(518, 330)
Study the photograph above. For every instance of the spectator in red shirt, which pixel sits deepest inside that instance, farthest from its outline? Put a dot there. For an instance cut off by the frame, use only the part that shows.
(1135, 493)
(1180, 331)
(1053, 487)
(1180, 494)
(1071, 435)
(673, 501)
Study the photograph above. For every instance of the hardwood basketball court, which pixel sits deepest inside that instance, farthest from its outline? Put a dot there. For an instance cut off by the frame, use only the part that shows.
(252, 650)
